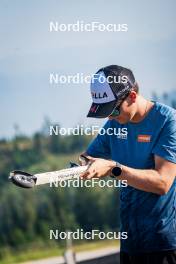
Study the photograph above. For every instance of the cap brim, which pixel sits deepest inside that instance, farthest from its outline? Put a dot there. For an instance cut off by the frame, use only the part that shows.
(101, 110)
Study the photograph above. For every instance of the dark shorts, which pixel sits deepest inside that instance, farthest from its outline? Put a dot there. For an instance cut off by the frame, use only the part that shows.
(161, 257)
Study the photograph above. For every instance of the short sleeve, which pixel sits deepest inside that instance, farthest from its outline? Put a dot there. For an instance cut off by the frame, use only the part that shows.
(100, 146)
(165, 146)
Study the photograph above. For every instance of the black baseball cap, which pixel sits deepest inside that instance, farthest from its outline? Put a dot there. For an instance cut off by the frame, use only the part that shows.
(108, 86)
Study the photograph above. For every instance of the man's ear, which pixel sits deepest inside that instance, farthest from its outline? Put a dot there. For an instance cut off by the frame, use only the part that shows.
(133, 96)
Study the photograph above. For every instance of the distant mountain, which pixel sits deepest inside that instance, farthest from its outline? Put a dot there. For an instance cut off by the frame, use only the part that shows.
(166, 98)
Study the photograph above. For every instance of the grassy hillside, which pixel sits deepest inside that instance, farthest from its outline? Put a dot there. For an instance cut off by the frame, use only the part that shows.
(27, 215)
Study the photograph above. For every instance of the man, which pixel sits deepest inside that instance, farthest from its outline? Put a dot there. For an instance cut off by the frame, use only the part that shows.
(143, 152)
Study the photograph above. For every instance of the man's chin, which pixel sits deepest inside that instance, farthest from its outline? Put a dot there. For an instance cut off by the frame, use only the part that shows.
(122, 122)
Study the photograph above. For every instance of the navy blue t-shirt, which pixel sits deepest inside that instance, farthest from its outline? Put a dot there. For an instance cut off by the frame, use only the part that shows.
(148, 218)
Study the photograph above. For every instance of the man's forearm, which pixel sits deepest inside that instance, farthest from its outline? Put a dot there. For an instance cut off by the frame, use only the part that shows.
(157, 180)
(145, 180)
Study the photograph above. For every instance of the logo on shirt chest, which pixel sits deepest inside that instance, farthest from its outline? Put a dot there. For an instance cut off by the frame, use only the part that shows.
(122, 133)
(144, 138)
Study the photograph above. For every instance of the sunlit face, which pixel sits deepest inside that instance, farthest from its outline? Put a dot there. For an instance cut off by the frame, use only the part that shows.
(127, 112)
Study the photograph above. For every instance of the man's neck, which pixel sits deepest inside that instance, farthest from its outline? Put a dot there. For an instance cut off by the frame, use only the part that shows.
(143, 108)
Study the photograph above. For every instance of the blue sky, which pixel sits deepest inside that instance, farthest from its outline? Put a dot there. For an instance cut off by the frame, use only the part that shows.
(29, 53)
